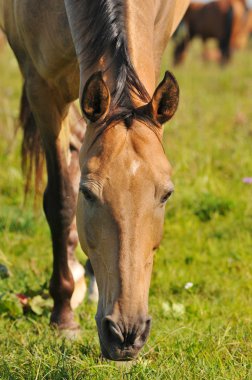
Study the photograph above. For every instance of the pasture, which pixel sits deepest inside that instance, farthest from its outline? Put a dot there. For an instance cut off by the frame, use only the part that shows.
(201, 291)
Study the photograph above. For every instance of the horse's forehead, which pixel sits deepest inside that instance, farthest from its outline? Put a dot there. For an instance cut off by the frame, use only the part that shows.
(118, 157)
(129, 156)
(130, 146)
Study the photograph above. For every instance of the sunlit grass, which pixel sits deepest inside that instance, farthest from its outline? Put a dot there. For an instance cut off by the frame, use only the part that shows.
(207, 242)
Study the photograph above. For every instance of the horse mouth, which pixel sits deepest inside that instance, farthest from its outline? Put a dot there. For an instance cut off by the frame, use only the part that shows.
(115, 353)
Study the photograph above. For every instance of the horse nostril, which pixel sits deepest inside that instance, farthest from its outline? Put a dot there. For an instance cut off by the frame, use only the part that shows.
(143, 334)
(112, 331)
(124, 338)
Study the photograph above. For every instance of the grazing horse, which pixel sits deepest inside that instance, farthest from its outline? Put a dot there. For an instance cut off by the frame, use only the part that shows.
(242, 26)
(223, 20)
(108, 54)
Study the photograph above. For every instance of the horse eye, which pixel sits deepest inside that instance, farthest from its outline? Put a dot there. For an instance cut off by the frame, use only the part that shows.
(88, 195)
(167, 196)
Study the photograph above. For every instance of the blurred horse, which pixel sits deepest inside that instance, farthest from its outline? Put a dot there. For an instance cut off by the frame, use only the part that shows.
(223, 20)
(107, 53)
(249, 24)
(241, 24)
(2, 39)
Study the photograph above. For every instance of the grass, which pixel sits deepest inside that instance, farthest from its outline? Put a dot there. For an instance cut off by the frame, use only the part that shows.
(202, 332)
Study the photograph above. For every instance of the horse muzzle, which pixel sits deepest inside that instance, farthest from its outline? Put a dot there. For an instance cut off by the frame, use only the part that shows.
(122, 341)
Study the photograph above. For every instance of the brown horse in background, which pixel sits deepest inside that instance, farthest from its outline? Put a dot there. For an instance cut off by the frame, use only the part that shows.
(108, 54)
(223, 20)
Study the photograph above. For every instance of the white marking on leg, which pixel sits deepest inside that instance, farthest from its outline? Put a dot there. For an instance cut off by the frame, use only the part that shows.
(77, 270)
(80, 286)
(93, 294)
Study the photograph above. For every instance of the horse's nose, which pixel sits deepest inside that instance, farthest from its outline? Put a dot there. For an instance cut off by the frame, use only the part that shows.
(121, 341)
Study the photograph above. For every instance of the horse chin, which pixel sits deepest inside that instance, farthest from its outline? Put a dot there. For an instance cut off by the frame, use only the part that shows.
(112, 351)
(116, 354)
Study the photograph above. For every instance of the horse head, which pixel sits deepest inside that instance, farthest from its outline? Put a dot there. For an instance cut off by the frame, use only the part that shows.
(125, 184)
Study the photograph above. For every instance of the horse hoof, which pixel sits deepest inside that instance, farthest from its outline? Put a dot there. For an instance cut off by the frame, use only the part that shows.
(71, 333)
(63, 319)
(70, 330)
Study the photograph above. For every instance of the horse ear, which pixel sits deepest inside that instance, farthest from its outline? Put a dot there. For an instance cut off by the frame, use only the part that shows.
(95, 101)
(165, 100)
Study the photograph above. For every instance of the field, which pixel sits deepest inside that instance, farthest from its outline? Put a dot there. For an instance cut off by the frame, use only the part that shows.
(201, 291)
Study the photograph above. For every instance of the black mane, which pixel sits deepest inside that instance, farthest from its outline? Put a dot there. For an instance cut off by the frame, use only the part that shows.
(105, 32)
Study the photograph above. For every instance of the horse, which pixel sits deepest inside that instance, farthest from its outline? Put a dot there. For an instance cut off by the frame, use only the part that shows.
(107, 54)
(242, 30)
(223, 20)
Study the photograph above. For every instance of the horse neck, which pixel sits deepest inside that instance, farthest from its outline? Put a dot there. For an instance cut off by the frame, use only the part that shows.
(150, 25)
(143, 21)
(140, 34)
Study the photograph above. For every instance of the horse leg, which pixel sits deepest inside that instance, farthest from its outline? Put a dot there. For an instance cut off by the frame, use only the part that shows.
(50, 111)
(225, 42)
(225, 50)
(77, 130)
(93, 294)
(180, 51)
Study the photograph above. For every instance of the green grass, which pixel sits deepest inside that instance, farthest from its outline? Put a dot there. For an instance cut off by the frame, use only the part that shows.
(204, 332)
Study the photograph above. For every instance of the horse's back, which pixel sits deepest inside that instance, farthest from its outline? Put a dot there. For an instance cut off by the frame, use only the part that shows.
(202, 17)
(39, 35)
